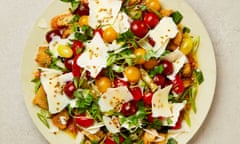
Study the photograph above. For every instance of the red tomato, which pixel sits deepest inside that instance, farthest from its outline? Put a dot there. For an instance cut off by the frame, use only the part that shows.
(151, 41)
(76, 70)
(77, 47)
(118, 82)
(151, 19)
(178, 86)
(82, 9)
(168, 67)
(129, 108)
(69, 89)
(139, 28)
(150, 118)
(159, 80)
(98, 30)
(110, 141)
(147, 98)
(68, 64)
(136, 93)
(51, 34)
(178, 124)
(84, 121)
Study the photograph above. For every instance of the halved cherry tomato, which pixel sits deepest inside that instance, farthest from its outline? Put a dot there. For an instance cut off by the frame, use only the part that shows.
(76, 70)
(109, 34)
(77, 47)
(139, 53)
(151, 19)
(84, 121)
(103, 83)
(82, 9)
(51, 34)
(178, 123)
(168, 67)
(139, 28)
(64, 51)
(129, 108)
(136, 93)
(109, 140)
(159, 80)
(68, 63)
(178, 86)
(118, 82)
(147, 98)
(69, 89)
(151, 41)
(83, 20)
(98, 30)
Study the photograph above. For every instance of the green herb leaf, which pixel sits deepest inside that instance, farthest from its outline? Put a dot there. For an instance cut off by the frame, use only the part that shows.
(177, 17)
(199, 75)
(156, 70)
(37, 84)
(116, 139)
(192, 95)
(43, 115)
(186, 30)
(172, 141)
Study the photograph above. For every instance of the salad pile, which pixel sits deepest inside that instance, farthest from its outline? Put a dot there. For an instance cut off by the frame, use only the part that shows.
(117, 72)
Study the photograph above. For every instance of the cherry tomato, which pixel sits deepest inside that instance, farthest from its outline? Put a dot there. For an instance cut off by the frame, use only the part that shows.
(51, 34)
(159, 80)
(147, 98)
(131, 2)
(84, 121)
(151, 19)
(109, 34)
(178, 123)
(186, 45)
(118, 82)
(132, 73)
(77, 47)
(65, 51)
(83, 20)
(76, 70)
(98, 30)
(139, 28)
(139, 53)
(103, 83)
(82, 9)
(110, 140)
(68, 64)
(136, 93)
(153, 4)
(129, 108)
(168, 67)
(150, 117)
(178, 86)
(69, 89)
(151, 41)
(150, 64)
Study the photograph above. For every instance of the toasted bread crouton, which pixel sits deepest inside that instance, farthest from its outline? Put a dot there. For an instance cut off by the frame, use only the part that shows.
(166, 12)
(62, 20)
(93, 137)
(41, 99)
(43, 59)
(61, 119)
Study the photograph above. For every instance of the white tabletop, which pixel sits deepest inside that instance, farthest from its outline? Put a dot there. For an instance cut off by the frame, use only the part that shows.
(222, 20)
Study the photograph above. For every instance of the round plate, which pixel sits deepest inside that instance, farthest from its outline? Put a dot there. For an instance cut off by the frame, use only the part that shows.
(205, 54)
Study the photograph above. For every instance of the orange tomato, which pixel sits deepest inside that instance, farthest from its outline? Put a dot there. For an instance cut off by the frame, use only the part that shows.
(132, 73)
(103, 83)
(153, 4)
(83, 20)
(150, 64)
(109, 35)
(139, 53)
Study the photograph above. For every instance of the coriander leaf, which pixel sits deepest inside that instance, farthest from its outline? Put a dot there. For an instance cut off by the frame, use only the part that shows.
(199, 75)
(37, 84)
(177, 17)
(43, 115)
(116, 139)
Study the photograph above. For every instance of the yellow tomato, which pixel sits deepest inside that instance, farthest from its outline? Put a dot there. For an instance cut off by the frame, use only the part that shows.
(153, 4)
(150, 64)
(64, 51)
(132, 73)
(186, 45)
(103, 83)
(83, 20)
(140, 53)
(109, 34)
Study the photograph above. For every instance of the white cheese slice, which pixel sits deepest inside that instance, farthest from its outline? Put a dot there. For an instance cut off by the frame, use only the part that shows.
(113, 99)
(112, 124)
(178, 59)
(160, 105)
(95, 128)
(103, 12)
(162, 33)
(121, 23)
(176, 109)
(53, 82)
(94, 58)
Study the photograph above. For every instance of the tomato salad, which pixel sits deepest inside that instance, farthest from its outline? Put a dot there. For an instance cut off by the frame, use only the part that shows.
(118, 72)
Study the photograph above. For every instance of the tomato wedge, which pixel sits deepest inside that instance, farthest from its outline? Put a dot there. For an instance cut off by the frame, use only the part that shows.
(84, 121)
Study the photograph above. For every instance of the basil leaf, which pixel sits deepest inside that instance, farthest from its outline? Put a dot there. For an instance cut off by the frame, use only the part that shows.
(199, 76)
(177, 17)
(172, 141)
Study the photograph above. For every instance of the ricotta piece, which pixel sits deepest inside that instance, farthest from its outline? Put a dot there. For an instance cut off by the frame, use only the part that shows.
(114, 98)
(53, 82)
(160, 105)
(165, 30)
(94, 58)
(103, 12)
(121, 23)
